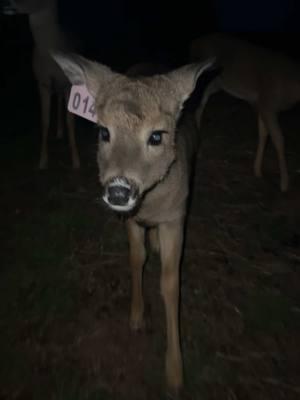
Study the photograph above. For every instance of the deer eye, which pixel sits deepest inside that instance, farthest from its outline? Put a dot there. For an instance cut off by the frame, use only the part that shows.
(104, 134)
(155, 138)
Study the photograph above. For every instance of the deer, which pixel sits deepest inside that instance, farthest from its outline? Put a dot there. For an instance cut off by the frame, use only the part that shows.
(266, 79)
(146, 151)
(48, 36)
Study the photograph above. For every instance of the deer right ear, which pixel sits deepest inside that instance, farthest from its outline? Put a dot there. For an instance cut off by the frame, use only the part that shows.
(184, 79)
(81, 71)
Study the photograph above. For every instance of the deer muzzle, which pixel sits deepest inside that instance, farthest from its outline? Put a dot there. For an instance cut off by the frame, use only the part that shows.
(120, 194)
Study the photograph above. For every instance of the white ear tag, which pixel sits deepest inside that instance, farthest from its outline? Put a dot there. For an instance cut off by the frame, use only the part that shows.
(82, 103)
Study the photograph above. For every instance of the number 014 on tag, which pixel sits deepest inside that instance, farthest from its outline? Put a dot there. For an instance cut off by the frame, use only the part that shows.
(82, 103)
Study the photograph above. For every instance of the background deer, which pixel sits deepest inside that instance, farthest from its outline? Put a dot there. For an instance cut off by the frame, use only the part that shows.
(48, 36)
(264, 78)
(145, 157)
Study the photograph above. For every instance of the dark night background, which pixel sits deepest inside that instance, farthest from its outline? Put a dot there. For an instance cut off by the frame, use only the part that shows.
(156, 29)
(119, 32)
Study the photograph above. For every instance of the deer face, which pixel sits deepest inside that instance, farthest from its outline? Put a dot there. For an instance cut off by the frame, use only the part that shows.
(137, 123)
(136, 142)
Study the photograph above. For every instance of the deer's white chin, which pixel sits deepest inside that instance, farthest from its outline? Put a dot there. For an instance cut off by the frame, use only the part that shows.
(121, 208)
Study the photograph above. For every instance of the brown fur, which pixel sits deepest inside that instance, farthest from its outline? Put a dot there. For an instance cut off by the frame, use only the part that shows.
(132, 109)
(266, 79)
(48, 37)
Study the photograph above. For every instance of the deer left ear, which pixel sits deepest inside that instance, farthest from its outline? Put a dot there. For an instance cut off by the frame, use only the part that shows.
(185, 78)
(81, 71)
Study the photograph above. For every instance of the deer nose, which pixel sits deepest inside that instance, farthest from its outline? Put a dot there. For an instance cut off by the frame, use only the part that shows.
(118, 195)
(121, 194)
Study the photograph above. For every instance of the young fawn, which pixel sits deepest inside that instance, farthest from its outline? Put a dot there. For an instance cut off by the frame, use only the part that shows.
(145, 157)
(266, 79)
(48, 36)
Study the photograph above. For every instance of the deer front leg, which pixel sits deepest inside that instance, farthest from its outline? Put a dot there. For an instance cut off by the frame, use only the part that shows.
(171, 238)
(72, 140)
(137, 257)
(45, 102)
(154, 240)
(71, 133)
(60, 115)
(262, 141)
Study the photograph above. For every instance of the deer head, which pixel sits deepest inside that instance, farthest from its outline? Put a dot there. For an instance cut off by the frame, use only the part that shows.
(137, 125)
